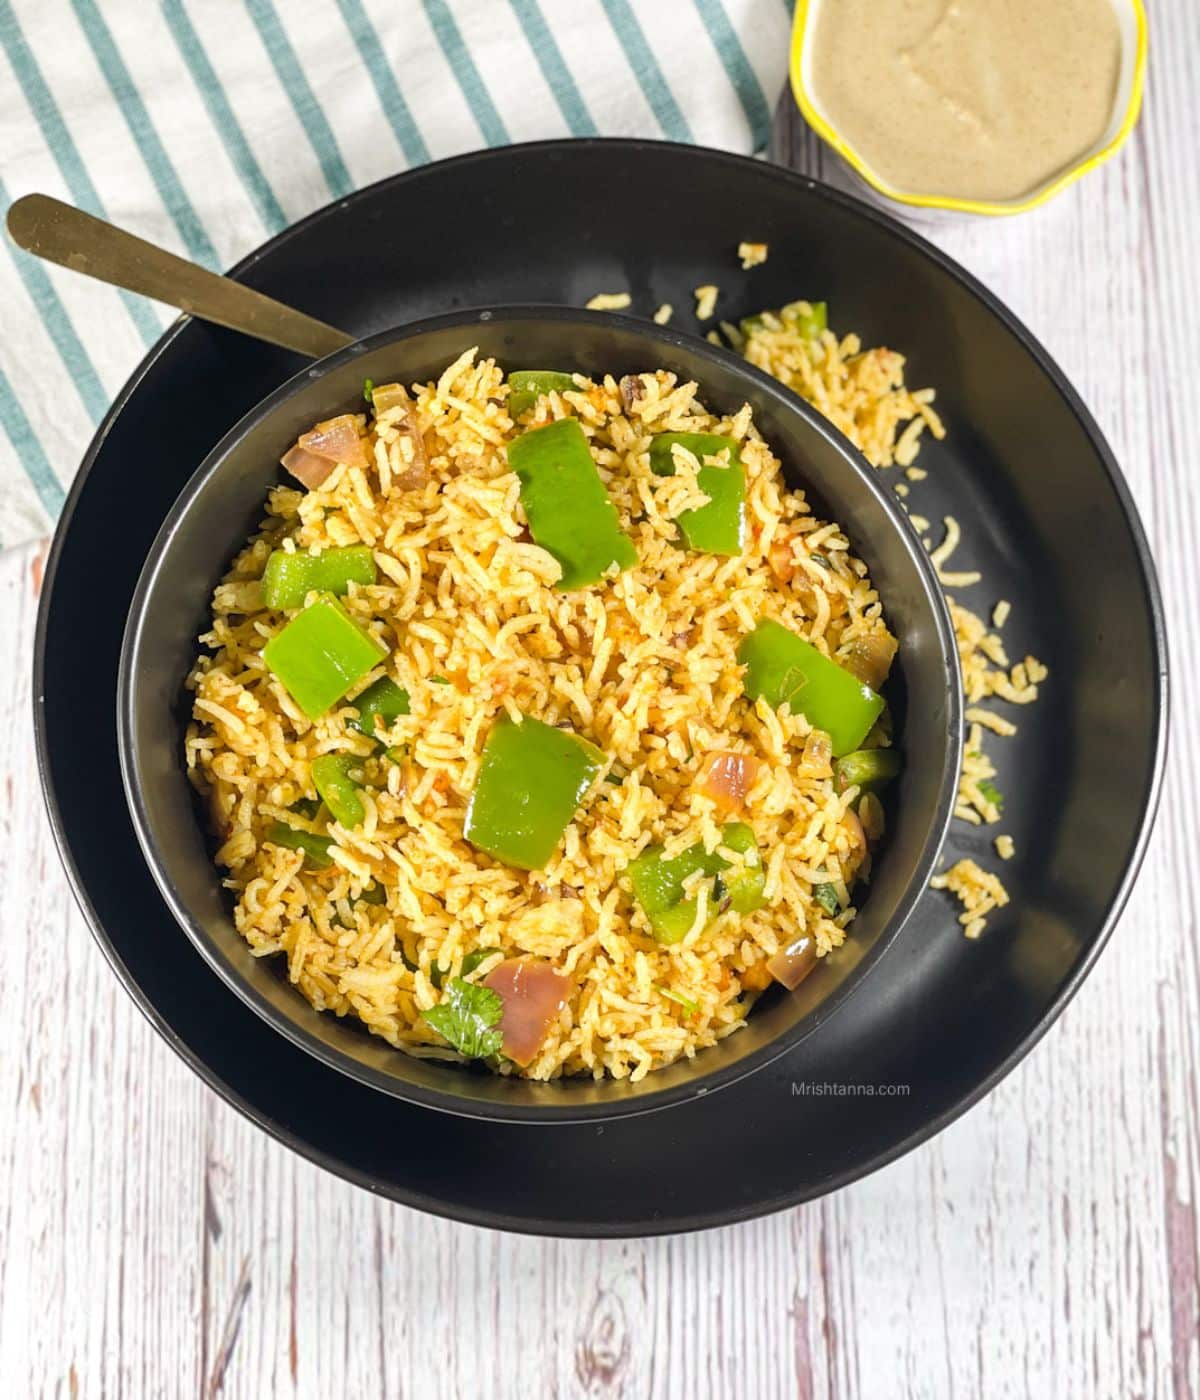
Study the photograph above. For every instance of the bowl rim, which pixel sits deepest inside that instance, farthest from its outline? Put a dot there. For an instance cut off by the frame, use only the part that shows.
(806, 11)
(645, 1100)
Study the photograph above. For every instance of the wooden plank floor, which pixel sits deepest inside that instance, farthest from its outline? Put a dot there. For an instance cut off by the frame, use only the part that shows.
(153, 1243)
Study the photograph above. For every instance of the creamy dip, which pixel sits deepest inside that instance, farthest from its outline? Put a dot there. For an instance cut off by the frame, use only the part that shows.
(983, 99)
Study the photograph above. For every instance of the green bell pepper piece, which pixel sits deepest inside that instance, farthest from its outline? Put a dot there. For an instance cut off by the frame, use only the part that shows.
(290, 577)
(808, 318)
(658, 887)
(315, 848)
(568, 509)
(337, 777)
(868, 769)
(809, 323)
(780, 666)
(383, 700)
(826, 896)
(658, 883)
(531, 780)
(526, 386)
(992, 793)
(673, 925)
(320, 654)
(742, 886)
(720, 526)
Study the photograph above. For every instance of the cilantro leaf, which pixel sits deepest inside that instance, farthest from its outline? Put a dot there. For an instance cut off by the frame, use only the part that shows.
(437, 973)
(993, 794)
(473, 960)
(687, 1003)
(468, 1016)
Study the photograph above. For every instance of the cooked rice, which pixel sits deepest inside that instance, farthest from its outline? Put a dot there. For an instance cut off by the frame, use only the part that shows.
(608, 301)
(664, 314)
(645, 666)
(864, 394)
(706, 301)
(975, 802)
(752, 255)
(978, 890)
(1005, 847)
(940, 557)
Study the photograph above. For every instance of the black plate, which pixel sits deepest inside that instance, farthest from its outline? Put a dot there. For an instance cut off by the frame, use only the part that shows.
(1045, 513)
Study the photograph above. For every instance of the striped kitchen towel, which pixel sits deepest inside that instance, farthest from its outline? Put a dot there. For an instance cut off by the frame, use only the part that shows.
(209, 125)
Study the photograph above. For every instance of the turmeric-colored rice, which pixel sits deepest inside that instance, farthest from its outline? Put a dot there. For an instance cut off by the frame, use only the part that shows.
(643, 664)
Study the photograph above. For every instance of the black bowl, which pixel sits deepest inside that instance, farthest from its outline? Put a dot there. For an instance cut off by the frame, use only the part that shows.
(219, 508)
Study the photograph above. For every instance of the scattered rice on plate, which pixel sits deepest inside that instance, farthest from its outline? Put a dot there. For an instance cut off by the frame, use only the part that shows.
(862, 391)
(609, 301)
(706, 301)
(979, 891)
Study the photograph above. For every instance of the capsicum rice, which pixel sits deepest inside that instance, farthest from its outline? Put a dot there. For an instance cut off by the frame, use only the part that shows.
(556, 780)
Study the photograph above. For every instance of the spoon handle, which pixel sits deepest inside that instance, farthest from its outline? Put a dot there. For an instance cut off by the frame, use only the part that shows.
(67, 236)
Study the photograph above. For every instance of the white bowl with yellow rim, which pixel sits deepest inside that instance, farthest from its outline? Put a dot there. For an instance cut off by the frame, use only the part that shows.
(1127, 97)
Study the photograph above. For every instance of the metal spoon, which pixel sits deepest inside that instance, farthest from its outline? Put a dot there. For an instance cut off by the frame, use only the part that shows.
(67, 236)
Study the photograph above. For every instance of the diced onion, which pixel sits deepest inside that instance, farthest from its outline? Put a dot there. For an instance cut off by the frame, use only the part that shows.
(870, 816)
(533, 993)
(632, 391)
(780, 558)
(388, 396)
(727, 777)
(792, 964)
(417, 472)
(856, 840)
(869, 658)
(817, 759)
(337, 439)
(308, 469)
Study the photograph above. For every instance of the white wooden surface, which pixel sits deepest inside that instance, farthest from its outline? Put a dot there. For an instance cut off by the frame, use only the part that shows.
(153, 1243)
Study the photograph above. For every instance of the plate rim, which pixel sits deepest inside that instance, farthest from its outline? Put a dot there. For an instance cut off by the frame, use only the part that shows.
(1149, 798)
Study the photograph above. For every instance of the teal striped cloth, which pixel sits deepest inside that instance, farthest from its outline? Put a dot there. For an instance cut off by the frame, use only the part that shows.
(209, 125)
